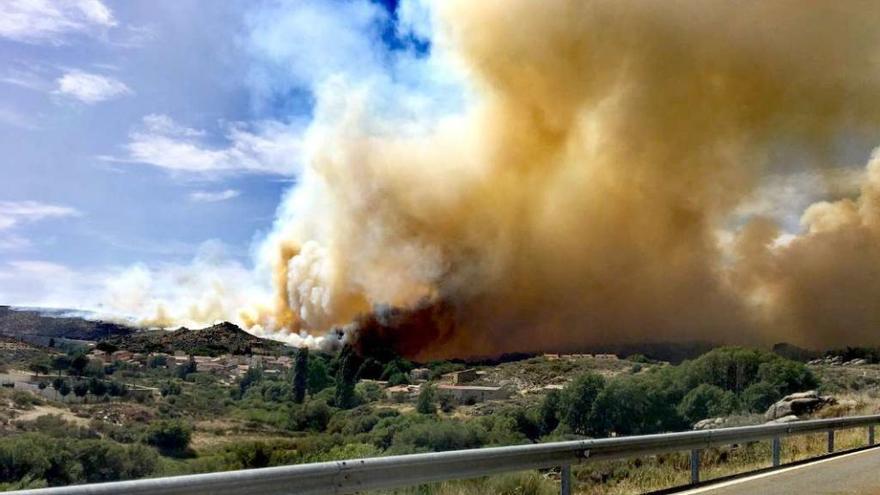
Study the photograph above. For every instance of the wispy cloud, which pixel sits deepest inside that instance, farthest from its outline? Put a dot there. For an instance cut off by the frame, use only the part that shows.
(13, 118)
(213, 196)
(13, 213)
(267, 147)
(90, 88)
(50, 21)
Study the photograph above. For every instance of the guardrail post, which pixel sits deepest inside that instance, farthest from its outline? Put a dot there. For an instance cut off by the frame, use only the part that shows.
(830, 441)
(565, 480)
(871, 435)
(695, 466)
(777, 448)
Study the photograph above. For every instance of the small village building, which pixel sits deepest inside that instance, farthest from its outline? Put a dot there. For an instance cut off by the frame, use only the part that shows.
(99, 354)
(463, 376)
(420, 374)
(402, 393)
(121, 356)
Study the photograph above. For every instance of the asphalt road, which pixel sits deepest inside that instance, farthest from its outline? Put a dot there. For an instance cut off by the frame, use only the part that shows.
(856, 473)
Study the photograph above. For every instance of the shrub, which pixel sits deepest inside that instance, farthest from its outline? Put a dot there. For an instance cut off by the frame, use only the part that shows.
(425, 403)
(437, 436)
(170, 436)
(314, 415)
(548, 413)
(169, 388)
(368, 392)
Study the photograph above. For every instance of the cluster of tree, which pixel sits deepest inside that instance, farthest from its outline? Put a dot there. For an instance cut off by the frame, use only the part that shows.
(719, 383)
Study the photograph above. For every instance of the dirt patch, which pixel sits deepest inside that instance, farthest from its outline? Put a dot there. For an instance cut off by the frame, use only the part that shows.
(38, 411)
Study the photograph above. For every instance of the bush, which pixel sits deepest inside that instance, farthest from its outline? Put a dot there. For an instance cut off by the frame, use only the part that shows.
(707, 401)
(548, 414)
(314, 415)
(368, 392)
(169, 388)
(425, 403)
(436, 436)
(170, 436)
(576, 402)
(57, 461)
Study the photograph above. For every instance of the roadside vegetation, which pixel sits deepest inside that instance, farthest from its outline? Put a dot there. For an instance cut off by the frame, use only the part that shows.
(324, 409)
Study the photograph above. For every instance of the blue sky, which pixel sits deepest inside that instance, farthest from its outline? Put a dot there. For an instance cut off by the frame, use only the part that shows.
(135, 132)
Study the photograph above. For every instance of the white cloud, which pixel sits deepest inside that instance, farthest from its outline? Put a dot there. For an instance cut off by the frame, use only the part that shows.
(213, 196)
(267, 147)
(13, 213)
(90, 88)
(51, 21)
(783, 197)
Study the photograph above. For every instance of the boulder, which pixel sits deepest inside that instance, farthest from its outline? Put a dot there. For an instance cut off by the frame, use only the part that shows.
(785, 419)
(799, 404)
(710, 423)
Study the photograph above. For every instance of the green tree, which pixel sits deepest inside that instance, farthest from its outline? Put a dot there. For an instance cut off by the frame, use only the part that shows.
(633, 404)
(64, 389)
(707, 401)
(425, 403)
(758, 397)
(346, 379)
(106, 347)
(301, 375)
(39, 367)
(97, 387)
(78, 364)
(576, 402)
(319, 376)
(80, 389)
(61, 363)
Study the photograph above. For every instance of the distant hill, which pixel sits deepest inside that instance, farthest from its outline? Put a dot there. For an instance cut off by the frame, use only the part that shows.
(38, 326)
(223, 338)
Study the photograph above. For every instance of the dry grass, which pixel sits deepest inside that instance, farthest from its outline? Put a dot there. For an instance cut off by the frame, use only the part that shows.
(633, 476)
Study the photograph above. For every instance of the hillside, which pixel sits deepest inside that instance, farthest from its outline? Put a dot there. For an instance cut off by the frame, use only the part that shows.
(223, 338)
(39, 326)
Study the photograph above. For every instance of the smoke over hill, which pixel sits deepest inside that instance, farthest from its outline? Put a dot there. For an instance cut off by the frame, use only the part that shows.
(591, 188)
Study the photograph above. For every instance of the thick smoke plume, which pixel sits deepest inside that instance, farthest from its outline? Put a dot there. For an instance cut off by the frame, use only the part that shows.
(589, 190)
(579, 199)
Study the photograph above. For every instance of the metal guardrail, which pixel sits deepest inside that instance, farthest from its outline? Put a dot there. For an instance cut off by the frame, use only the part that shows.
(357, 475)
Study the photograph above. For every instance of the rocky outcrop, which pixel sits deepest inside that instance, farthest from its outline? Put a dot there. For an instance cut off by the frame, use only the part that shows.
(838, 361)
(798, 405)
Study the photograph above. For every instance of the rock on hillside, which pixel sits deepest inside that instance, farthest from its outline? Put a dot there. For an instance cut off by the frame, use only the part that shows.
(39, 326)
(798, 405)
(223, 338)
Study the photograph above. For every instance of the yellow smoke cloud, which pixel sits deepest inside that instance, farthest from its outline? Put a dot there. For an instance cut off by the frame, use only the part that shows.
(577, 199)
